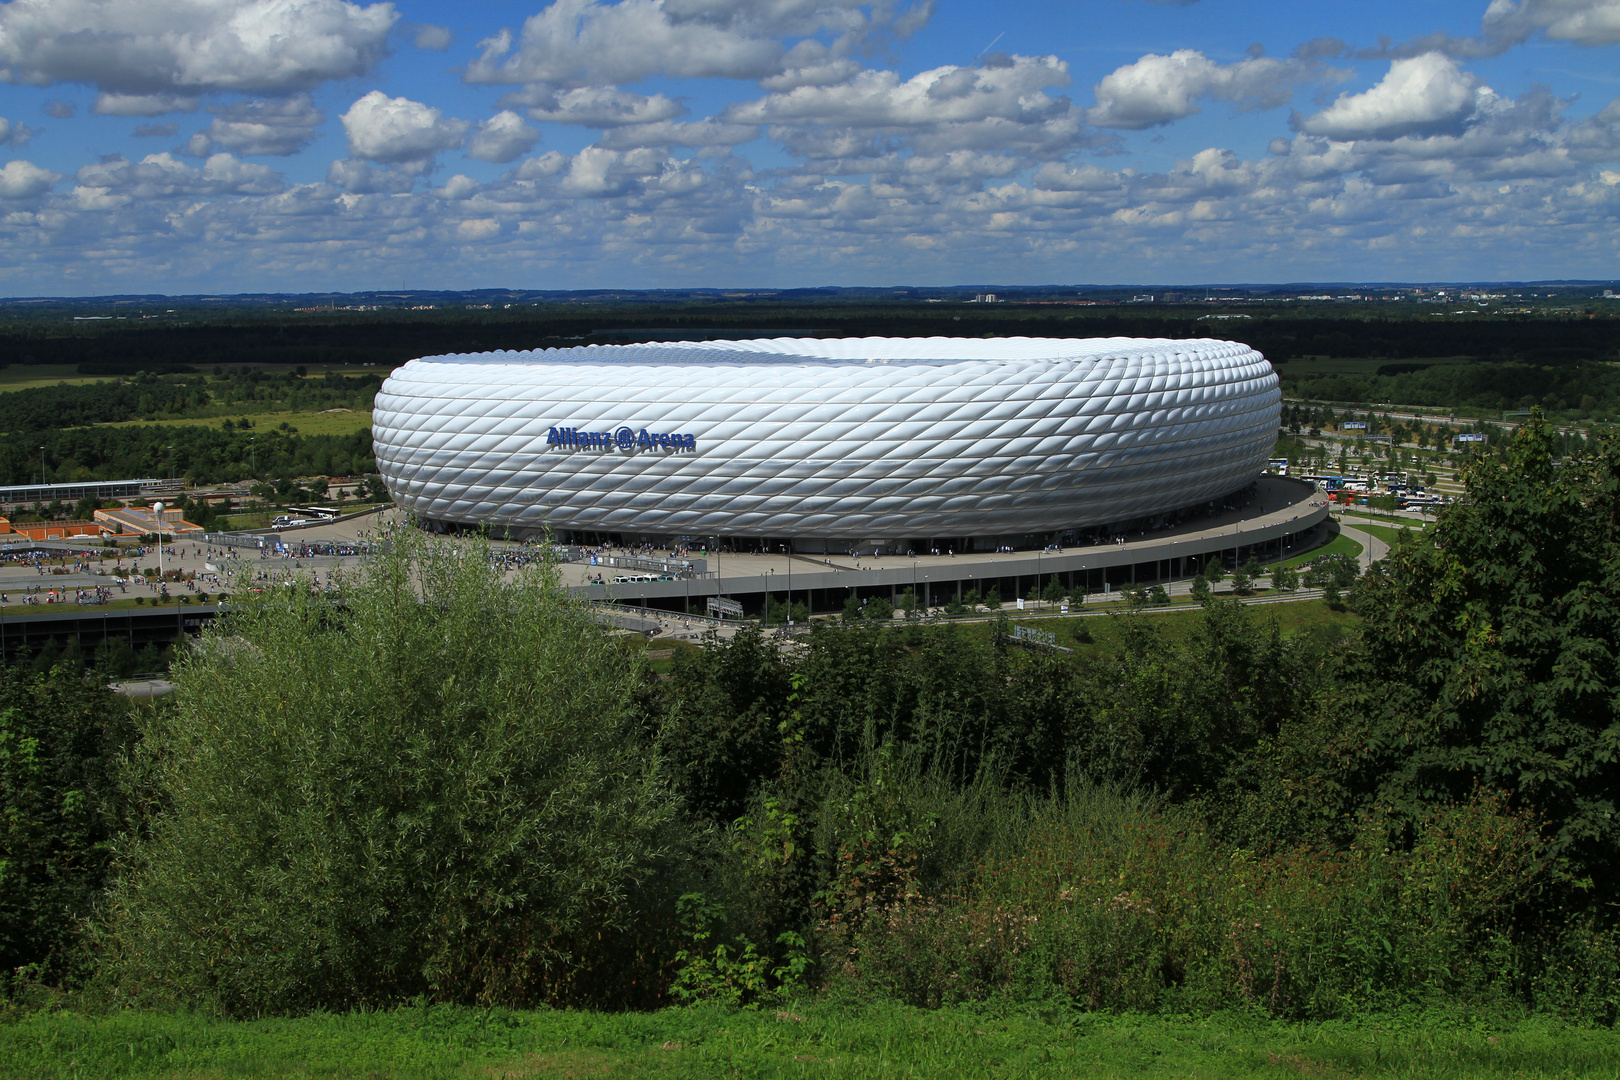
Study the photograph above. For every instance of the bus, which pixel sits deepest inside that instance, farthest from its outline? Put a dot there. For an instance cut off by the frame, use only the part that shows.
(317, 513)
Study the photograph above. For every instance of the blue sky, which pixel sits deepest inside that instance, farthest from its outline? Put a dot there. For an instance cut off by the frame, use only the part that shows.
(299, 145)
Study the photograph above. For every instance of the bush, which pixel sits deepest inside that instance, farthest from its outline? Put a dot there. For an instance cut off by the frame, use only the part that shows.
(366, 804)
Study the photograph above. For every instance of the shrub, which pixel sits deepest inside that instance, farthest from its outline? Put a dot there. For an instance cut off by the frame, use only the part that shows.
(366, 804)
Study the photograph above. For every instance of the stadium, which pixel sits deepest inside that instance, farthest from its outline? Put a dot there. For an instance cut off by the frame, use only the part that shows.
(883, 444)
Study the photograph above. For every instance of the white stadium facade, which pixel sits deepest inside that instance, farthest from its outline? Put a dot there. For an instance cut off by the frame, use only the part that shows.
(828, 445)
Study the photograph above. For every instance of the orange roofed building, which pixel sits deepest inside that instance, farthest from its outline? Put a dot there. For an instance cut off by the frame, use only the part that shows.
(138, 520)
(131, 521)
(49, 530)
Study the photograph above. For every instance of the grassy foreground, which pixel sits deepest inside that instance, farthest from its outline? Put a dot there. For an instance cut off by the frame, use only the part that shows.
(819, 1039)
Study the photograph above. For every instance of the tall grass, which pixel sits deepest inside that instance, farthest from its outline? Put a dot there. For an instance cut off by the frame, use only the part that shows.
(1113, 903)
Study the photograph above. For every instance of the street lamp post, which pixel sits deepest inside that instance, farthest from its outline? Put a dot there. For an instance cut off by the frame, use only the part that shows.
(157, 511)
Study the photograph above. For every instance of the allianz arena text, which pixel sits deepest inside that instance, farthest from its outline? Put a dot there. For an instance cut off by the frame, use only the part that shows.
(826, 443)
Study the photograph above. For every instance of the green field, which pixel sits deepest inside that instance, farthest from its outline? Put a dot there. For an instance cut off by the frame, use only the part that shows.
(1386, 533)
(801, 1039)
(1339, 545)
(29, 376)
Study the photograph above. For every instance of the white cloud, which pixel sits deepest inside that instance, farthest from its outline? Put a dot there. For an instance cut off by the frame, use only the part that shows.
(1425, 94)
(118, 181)
(25, 180)
(14, 134)
(363, 178)
(1055, 177)
(593, 106)
(111, 104)
(1597, 139)
(399, 131)
(503, 137)
(1001, 105)
(432, 38)
(278, 126)
(879, 99)
(1583, 22)
(546, 165)
(459, 187)
(703, 133)
(1159, 89)
(584, 42)
(475, 229)
(191, 46)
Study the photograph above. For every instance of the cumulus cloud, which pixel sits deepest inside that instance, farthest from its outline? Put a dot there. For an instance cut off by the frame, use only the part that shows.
(191, 46)
(25, 180)
(277, 127)
(879, 99)
(1597, 139)
(593, 106)
(1426, 94)
(363, 178)
(575, 43)
(117, 181)
(1001, 105)
(432, 38)
(398, 131)
(703, 133)
(109, 104)
(14, 134)
(1159, 89)
(1583, 22)
(503, 137)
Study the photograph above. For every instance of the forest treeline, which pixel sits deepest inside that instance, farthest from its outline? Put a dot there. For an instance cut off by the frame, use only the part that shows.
(155, 397)
(450, 786)
(62, 422)
(203, 455)
(388, 338)
(1578, 389)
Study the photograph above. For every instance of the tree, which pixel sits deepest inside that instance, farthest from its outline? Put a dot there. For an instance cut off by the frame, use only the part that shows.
(908, 603)
(1054, 591)
(62, 737)
(1284, 578)
(360, 804)
(1489, 653)
(1242, 580)
(1200, 589)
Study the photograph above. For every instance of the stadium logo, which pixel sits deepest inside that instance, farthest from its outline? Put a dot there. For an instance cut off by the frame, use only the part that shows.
(624, 439)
